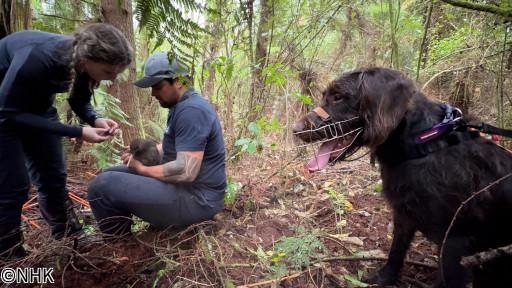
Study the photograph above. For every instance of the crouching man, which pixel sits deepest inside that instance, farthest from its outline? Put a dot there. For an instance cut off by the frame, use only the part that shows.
(188, 186)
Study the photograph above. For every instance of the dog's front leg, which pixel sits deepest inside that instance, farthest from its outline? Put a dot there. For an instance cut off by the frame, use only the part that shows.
(403, 233)
(453, 275)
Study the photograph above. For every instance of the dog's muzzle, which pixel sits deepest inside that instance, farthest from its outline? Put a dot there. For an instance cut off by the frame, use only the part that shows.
(333, 139)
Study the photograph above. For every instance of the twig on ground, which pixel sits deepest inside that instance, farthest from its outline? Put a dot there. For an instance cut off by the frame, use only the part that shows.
(237, 265)
(33, 223)
(351, 258)
(485, 256)
(28, 202)
(334, 279)
(79, 199)
(416, 282)
(268, 282)
(195, 282)
(28, 206)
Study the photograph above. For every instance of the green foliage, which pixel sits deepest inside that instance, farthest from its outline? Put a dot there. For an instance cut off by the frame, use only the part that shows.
(139, 225)
(338, 200)
(108, 153)
(164, 20)
(231, 191)
(158, 277)
(89, 229)
(276, 73)
(297, 251)
(224, 66)
(378, 187)
(272, 261)
(156, 130)
(355, 282)
(443, 47)
(306, 99)
(59, 16)
(257, 130)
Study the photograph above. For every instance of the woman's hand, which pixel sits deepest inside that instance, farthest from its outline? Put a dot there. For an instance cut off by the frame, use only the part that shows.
(95, 135)
(111, 125)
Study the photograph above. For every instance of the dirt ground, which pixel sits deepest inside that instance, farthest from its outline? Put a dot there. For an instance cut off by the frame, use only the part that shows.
(276, 205)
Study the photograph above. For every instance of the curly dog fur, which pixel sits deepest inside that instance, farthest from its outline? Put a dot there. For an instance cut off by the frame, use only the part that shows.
(425, 192)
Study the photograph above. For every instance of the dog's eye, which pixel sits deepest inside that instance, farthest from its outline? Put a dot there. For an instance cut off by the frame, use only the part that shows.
(337, 98)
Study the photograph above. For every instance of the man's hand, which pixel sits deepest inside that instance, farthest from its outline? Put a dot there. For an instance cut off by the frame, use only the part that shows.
(111, 125)
(135, 165)
(125, 157)
(160, 149)
(95, 135)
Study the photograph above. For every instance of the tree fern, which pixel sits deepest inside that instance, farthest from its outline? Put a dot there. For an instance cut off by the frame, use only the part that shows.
(164, 20)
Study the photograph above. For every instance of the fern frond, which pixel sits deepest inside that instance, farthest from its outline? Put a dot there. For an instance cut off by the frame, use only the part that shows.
(164, 20)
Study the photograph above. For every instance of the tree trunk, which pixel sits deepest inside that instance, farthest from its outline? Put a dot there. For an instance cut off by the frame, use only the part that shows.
(15, 15)
(120, 14)
(424, 46)
(260, 55)
(461, 95)
(212, 51)
(394, 17)
(5, 18)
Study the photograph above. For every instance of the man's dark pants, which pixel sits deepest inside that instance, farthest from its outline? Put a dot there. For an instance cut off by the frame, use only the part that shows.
(118, 193)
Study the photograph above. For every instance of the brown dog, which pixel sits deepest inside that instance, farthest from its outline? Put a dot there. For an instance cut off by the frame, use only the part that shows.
(430, 162)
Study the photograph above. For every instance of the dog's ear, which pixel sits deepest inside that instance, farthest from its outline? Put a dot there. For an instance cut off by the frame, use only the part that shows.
(385, 95)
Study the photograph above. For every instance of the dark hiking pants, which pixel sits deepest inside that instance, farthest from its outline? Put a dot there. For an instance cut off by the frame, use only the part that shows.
(28, 155)
(119, 193)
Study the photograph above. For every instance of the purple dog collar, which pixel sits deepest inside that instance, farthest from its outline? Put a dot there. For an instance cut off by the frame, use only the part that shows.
(434, 132)
(448, 124)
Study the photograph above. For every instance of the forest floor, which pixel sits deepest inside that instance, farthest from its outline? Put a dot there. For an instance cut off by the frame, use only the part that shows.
(284, 229)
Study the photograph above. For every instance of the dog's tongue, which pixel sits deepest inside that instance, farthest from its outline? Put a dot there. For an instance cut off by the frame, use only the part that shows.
(322, 158)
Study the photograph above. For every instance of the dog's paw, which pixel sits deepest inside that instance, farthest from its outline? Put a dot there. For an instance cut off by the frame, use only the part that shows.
(383, 277)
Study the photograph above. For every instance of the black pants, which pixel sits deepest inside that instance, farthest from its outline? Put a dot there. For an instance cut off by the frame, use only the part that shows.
(28, 155)
(118, 193)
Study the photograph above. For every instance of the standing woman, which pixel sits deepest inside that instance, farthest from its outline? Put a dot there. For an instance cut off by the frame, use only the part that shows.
(33, 67)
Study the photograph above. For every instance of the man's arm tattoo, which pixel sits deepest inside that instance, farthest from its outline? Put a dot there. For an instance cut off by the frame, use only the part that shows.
(184, 169)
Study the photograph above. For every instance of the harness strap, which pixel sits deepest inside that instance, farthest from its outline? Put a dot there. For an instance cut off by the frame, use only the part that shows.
(489, 129)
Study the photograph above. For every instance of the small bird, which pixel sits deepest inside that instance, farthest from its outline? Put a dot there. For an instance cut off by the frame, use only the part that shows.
(145, 151)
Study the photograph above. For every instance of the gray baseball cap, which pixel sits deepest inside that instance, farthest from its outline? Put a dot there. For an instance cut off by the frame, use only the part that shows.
(159, 67)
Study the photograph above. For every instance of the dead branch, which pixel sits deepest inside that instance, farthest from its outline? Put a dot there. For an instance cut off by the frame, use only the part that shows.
(485, 256)
(351, 258)
(416, 282)
(504, 11)
(63, 18)
(268, 282)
